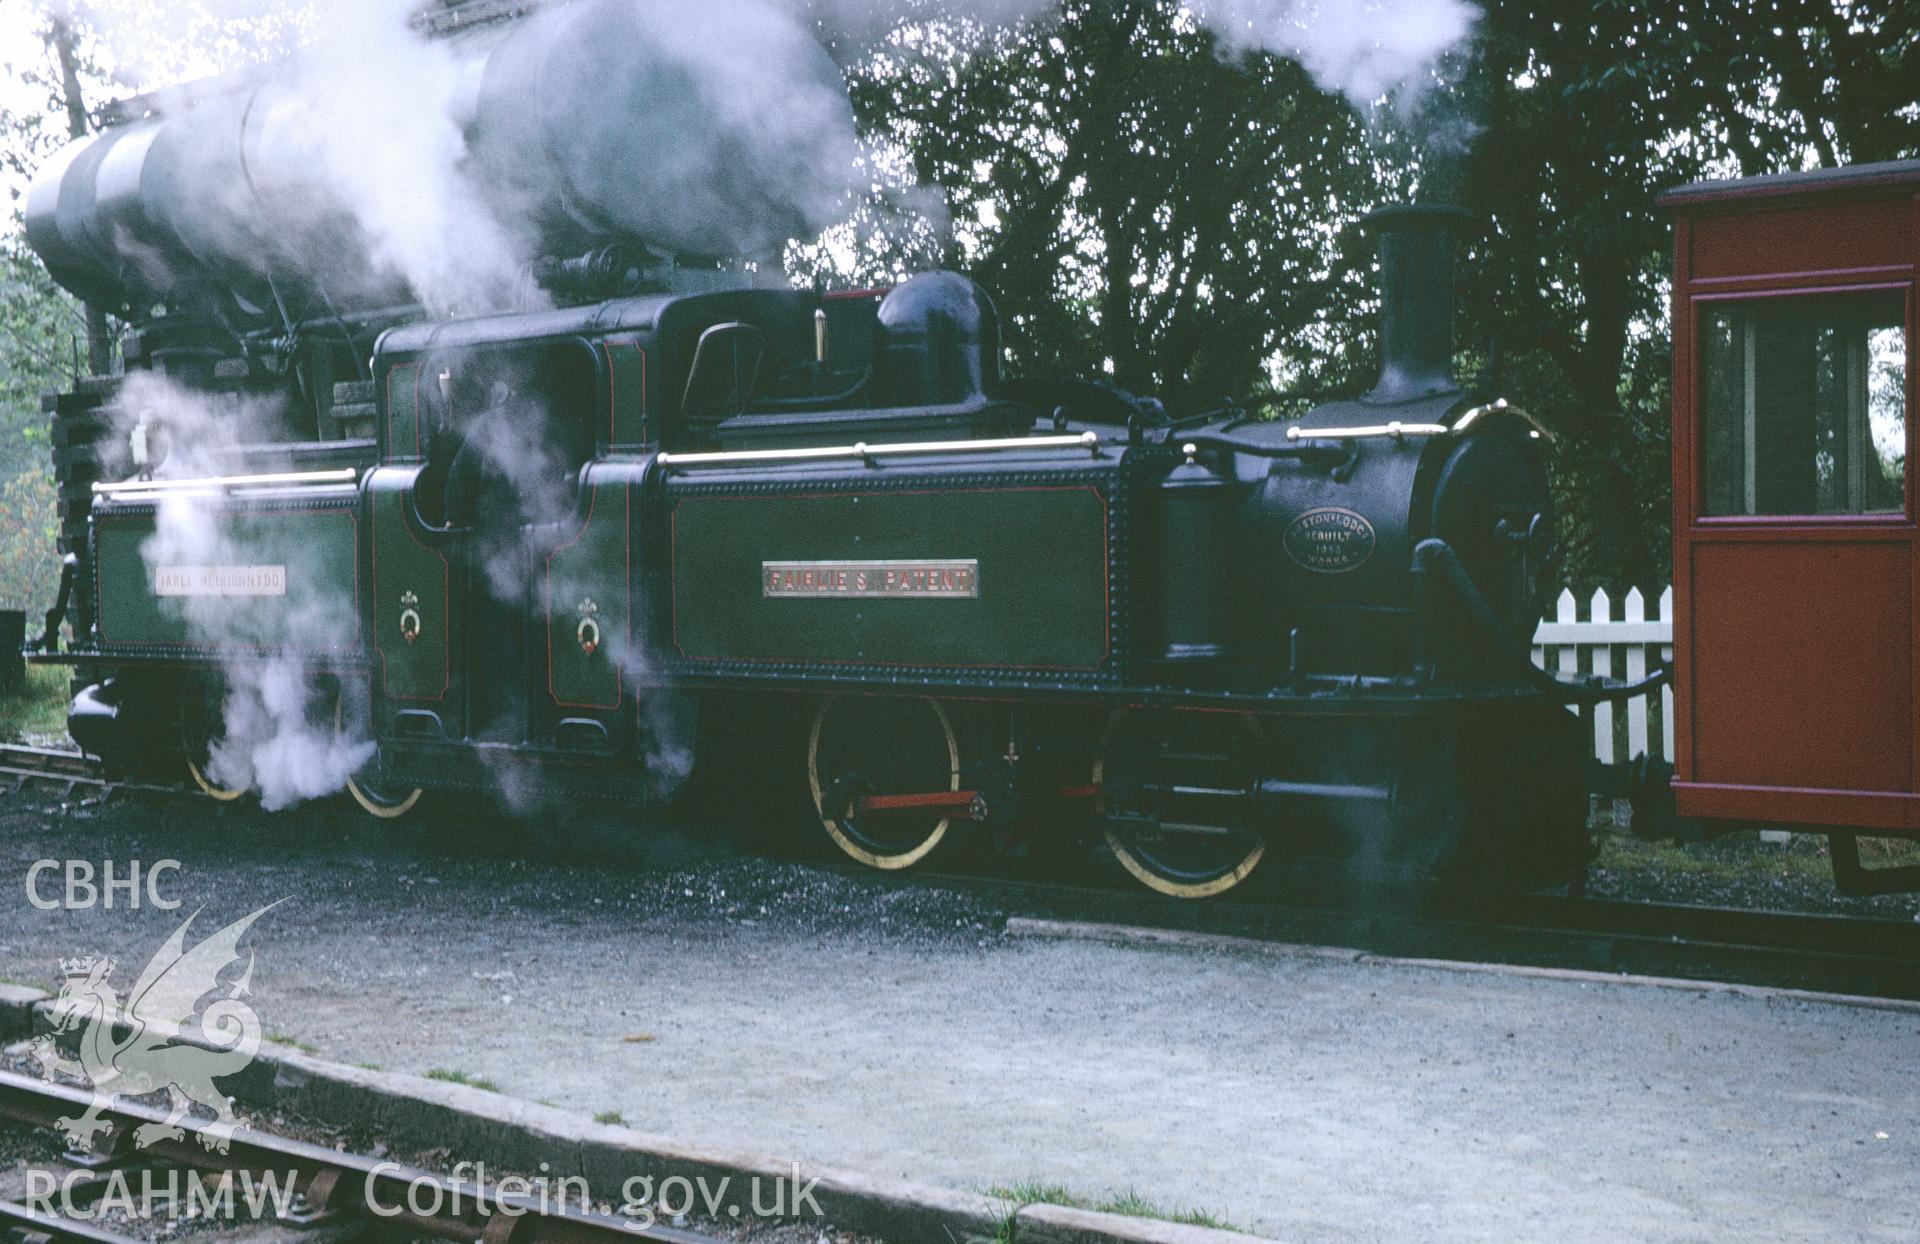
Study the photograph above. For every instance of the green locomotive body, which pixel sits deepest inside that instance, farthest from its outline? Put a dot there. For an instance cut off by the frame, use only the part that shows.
(675, 515)
(574, 534)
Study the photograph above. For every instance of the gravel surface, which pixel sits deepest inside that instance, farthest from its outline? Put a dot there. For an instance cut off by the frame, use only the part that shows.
(743, 1003)
(22, 1149)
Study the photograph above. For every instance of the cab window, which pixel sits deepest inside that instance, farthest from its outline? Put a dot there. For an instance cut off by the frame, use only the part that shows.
(1804, 408)
(507, 434)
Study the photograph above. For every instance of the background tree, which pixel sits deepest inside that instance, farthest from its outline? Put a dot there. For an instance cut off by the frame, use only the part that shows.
(46, 336)
(1142, 208)
(1184, 222)
(1587, 111)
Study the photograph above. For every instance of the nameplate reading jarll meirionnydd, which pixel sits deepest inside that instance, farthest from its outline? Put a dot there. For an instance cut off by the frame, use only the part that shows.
(220, 581)
(944, 579)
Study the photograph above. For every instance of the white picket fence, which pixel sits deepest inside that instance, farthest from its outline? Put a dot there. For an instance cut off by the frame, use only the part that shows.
(1624, 647)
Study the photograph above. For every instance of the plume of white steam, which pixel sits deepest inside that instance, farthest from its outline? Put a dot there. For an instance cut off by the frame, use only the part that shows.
(377, 159)
(514, 441)
(869, 21)
(276, 735)
(532, 506)
(1365, 50)
(375, 112)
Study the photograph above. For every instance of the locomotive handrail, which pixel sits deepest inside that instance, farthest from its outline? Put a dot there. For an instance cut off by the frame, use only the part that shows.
(1500, 406)
(864, 451)
(1394, 429)
(338, 475)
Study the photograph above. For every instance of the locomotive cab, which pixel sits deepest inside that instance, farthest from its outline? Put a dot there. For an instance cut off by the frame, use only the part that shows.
(917, 361)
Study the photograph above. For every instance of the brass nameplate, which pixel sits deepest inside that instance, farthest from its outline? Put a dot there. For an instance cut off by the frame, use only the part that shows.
(220, 581)
(946, 580)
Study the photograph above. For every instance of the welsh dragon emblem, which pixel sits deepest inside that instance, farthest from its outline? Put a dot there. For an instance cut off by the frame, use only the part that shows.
(181, 1027)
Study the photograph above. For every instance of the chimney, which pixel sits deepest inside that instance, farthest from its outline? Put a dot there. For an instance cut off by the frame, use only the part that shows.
(1416, 300)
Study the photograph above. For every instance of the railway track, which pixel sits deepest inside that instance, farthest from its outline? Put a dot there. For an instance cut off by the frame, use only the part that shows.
(1830, 954)
(21, 765)
(1875, 958)
(332, 1197)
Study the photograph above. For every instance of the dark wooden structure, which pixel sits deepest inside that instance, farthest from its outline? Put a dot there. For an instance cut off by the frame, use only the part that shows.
(1796, 554)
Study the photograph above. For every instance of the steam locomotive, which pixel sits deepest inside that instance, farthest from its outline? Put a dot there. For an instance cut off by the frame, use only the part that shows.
(563, 550)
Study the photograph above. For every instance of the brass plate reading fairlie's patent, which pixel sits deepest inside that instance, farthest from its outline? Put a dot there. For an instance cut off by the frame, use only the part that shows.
(946, 579)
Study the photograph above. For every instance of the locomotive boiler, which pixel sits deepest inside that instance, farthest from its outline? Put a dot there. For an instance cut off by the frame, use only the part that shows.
(818, 536)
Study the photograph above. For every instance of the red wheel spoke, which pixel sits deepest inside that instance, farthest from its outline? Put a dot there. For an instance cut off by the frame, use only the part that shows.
(926, 799)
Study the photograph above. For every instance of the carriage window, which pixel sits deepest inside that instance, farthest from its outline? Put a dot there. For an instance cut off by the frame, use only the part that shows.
(1805, 407)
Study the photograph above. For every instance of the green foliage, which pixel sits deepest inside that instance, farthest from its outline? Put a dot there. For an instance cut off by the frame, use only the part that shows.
(1129, 1204)
(43, 330)
(295, 1043)
(29, 524)
(39, 711)
(1143, 209)
(1183, 223)
(1138, 207)
(42, 334)
(1587, 110)
(455, 1076)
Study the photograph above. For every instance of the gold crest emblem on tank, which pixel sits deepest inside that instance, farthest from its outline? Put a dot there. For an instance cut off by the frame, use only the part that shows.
(409, 616)
(588, 632)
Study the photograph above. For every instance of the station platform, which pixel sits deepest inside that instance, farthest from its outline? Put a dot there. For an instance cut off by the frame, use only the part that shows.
(738, 1003)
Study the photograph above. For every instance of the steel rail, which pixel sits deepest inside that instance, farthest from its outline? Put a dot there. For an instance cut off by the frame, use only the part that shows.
(1393, 430)
(1849, 954)
(331, 1183)
(33, 1224)
(1837, 954)
(23, 764)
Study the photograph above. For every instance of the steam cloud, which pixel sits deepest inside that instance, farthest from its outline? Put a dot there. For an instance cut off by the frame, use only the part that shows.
(278, 735)
(1365, 50)
(1362, 49)
(371, 131)
(373, 113)
(378, 160)
(519, 440)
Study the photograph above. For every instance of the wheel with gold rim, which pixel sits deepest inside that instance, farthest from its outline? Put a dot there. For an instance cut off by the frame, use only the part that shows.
(200, 732)
(896, 750)
(376, 799)
(1172, 795)
(367, 790)
(199, 767)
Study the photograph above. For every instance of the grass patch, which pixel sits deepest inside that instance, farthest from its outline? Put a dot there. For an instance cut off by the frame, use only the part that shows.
(281, 1038)
(368, 1066)
(1130, 1204)
(610, 1116)
(467, 1078)
(1723, 861)
(40, 709)
(1741, 856)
